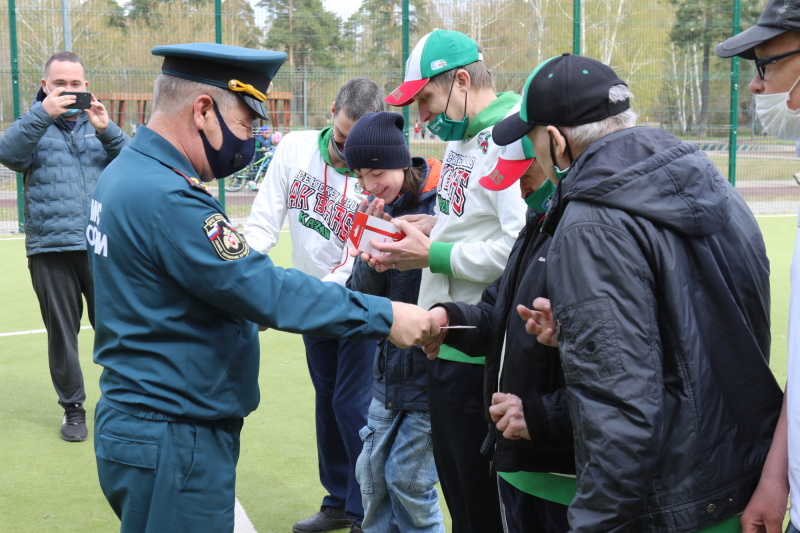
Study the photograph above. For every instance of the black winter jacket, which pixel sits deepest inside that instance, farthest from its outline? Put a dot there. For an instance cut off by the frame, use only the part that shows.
(400, 374)
(526, 369)
(659, 281)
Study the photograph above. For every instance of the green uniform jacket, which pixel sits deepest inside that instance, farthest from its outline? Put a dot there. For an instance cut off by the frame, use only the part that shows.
(179, 293)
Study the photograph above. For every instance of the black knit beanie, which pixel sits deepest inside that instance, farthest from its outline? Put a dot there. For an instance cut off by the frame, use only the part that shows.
(376, 141)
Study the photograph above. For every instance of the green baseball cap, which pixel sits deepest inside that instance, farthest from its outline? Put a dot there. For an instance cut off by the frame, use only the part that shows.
(437, 52)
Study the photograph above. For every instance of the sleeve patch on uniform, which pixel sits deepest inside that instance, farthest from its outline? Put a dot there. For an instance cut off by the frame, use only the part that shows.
(227, 242)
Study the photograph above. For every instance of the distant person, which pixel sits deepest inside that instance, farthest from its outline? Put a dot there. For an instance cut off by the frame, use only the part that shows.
(417, 129)
(180, 294)
(659, 285)
(309, 183)
(61, 152)
(263, 141)
(395, 470)
(773, 44)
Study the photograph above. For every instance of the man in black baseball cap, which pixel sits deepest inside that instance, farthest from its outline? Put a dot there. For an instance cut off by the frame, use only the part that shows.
(774, 45)
(651, 313)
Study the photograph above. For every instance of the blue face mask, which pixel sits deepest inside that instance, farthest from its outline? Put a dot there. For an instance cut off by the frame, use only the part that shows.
(540, 198)
(234, 154)
(448, 129)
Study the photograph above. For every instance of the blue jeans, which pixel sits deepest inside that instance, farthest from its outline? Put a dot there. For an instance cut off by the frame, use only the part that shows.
(397, 473)
(791, 529)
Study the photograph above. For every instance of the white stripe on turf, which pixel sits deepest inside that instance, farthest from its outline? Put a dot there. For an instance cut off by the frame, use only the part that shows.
(30, 331)
(243, 524)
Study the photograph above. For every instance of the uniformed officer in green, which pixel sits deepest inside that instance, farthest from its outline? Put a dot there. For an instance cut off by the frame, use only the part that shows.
(179, 294)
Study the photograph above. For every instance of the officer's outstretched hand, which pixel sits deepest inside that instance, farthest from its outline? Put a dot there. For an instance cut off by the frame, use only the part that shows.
(412, 325)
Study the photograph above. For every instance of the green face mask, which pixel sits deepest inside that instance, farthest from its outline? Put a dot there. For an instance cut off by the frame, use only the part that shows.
(561, 173)
(540, 198)
(448, 129)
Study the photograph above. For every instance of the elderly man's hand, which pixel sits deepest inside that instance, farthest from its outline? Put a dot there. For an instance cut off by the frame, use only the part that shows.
(412, 325)
(506, 412)
(539, 321)
(431, 347)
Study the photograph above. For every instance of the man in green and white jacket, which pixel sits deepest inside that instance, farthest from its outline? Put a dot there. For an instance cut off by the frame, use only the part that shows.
(462, 252)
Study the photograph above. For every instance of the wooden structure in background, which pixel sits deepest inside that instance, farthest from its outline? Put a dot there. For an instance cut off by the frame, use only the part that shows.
(278, 106)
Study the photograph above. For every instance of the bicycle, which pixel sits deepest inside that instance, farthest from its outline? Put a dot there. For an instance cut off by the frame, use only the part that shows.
(252, 174)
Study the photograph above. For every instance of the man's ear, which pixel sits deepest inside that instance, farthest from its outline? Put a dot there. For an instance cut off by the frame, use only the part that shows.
(333, 109)
(560, 144)
(202, 110)
(463, 81)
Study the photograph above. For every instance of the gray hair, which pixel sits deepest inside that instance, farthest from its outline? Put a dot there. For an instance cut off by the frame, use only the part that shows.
(359, 96)
(172, 94)
(585, 134)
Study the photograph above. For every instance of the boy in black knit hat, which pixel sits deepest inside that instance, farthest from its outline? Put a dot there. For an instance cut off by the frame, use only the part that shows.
(396, 470)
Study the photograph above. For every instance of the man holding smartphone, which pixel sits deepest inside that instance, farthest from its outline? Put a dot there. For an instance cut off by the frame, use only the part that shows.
(62, 151)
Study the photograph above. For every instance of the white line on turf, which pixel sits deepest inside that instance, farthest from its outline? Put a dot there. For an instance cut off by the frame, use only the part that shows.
(243, 524)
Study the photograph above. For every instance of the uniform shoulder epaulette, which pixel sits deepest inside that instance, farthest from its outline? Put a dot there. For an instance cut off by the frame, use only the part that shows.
(193, 182)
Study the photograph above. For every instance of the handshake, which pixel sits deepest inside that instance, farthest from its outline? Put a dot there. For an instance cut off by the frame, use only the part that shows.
(413, 326)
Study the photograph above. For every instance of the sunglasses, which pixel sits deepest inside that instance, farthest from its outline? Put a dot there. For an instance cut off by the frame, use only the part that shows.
(761, 64)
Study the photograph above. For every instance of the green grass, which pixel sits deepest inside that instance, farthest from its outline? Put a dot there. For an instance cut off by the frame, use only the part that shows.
(50, 485)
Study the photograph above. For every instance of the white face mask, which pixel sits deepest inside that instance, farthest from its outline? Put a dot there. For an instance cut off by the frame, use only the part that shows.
(776, 117)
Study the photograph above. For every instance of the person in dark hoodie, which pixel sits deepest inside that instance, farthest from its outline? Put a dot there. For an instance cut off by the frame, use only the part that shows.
(659, 300)
(61, 152)
(524, 391)
(395, 469)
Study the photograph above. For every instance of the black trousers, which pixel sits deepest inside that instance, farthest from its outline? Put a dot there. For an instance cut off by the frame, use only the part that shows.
(61, 280)
(458, 426)
(525, 513)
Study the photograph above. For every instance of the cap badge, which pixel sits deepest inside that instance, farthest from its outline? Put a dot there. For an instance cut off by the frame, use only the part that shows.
(436, 64)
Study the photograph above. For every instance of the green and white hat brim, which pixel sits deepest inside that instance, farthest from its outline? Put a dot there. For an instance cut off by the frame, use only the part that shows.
(437, 52)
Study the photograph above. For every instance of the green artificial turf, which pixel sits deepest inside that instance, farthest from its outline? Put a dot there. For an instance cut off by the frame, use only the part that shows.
(47, 484)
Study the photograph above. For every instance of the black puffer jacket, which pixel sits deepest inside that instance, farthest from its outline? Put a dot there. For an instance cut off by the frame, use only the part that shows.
(526, 369)
(659, 281)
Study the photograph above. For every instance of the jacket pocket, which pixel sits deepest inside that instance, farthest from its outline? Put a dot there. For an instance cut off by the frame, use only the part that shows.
(589, 341)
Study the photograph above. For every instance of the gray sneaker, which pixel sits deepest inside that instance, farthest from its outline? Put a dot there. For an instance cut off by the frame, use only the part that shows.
(73, 426)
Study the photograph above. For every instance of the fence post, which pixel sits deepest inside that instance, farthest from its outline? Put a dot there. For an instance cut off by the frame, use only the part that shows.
(576, 27)
(218, 37)
(734, 111)
(12, 36)
(405, 58)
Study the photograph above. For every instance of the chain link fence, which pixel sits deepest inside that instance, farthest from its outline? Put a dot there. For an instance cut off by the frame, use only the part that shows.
(664, 50)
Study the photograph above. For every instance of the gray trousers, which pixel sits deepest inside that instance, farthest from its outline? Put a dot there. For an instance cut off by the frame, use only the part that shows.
(61, 280)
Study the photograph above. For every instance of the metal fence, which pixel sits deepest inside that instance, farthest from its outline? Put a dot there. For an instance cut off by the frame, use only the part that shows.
(664, 50)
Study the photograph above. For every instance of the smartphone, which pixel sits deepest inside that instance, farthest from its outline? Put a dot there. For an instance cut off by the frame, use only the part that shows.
(83, 100)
